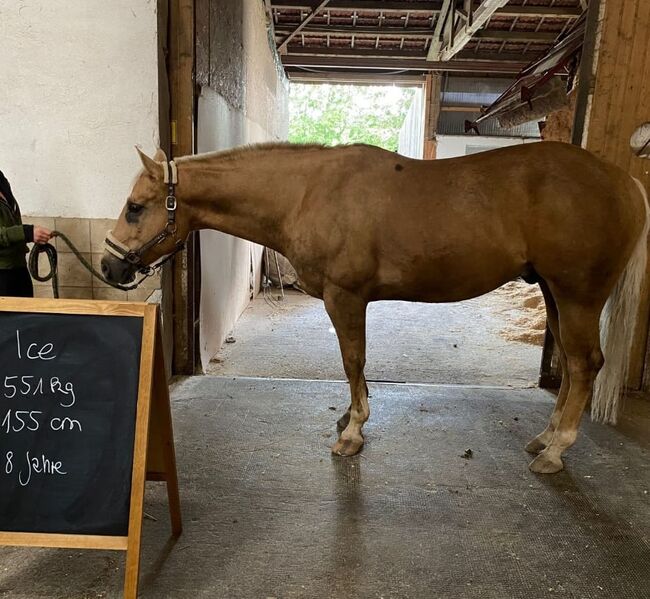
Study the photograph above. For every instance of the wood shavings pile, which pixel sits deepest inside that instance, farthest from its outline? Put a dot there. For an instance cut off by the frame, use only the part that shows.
(525, 305)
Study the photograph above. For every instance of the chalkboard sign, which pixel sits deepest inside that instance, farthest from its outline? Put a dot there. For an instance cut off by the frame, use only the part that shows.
(84, 421)
(68, 397)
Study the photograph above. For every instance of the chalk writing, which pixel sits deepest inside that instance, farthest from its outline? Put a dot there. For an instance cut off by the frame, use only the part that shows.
(33, 353)
(16, 421)
(30, 385)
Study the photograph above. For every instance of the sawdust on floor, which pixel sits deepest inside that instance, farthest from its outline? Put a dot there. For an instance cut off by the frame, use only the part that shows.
(527, 312)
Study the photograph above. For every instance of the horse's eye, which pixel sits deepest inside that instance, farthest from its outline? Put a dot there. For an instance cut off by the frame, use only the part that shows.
(134, 208)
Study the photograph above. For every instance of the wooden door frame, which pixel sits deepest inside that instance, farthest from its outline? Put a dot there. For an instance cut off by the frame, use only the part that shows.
(185, 272)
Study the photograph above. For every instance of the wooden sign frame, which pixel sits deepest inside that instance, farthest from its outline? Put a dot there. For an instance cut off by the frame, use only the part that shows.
(153, 450)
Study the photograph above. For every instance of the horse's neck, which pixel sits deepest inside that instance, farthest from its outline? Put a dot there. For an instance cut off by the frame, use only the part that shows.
(250, 196)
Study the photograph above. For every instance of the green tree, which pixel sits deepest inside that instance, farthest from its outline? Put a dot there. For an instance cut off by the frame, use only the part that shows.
(343, 114)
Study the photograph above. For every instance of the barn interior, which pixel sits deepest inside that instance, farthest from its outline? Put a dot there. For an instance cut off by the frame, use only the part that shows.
(440, 502)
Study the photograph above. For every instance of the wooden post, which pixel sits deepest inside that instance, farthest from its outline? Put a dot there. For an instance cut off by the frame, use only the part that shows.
(161, 456)
(432, 91)
(185, 279)
(138, 478)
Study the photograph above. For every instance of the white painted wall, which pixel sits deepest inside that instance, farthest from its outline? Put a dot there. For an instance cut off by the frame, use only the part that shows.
(226, 262)
(451, 146)
(79, 89)
(411, 135)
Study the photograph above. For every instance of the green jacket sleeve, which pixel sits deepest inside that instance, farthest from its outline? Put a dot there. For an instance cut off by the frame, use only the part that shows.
(11, 235)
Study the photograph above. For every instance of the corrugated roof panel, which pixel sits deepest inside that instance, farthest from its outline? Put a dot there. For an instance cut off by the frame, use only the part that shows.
(463, 98)
(477, 85)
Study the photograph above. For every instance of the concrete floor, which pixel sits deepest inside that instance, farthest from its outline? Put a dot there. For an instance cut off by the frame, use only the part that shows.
(270, 513)
(459, 343)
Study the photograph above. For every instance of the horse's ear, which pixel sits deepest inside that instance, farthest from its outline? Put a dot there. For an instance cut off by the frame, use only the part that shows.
(160, 156)
(150, 165)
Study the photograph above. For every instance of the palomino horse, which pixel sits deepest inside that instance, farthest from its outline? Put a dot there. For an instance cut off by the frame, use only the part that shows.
(361, 224)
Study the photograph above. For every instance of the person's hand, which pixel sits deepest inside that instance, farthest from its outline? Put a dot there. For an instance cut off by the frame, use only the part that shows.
(42, 235)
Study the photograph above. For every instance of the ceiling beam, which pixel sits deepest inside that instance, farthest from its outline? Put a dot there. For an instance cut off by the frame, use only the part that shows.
(419, 32)
(516, 36)
(400, 64)
(350, 77)
(377, 52)
(460, 108)
(436, 43)
(351, 30)
(373, 5)
(481, 15)
(397, 54)
(282, 46)
(559, 12)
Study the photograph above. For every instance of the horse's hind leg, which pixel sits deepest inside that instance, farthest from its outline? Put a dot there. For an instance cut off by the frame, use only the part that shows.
(580, 337)
(544, 438)
(348, 314)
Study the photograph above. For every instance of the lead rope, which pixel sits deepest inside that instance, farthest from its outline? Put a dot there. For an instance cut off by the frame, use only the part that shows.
(50, 251)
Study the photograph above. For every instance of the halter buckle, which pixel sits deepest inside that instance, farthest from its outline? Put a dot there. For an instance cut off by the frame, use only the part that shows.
(170, 203)
(132, 257)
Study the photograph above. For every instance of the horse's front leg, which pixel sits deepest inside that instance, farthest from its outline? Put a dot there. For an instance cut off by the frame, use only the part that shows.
(348, 314)
(344, 420)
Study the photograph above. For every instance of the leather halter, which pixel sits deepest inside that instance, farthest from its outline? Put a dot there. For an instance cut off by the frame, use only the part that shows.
(134, 257)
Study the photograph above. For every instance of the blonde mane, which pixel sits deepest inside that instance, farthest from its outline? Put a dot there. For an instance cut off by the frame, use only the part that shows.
(234, 153)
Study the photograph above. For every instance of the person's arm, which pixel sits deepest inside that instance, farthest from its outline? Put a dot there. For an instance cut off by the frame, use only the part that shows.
(10, 232)
(10, 235)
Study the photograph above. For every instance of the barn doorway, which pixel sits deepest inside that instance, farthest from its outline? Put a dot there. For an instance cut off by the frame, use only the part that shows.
(493, 340)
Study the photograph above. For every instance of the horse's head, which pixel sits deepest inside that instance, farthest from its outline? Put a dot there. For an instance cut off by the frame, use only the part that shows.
(150, 225)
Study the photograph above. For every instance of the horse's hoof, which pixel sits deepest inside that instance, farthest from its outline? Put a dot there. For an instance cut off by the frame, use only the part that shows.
(535, 446)
(343, 421)
(347, 447)
(545, 464)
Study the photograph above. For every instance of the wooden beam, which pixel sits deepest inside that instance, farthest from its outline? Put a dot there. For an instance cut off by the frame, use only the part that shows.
(558, 12)
(181, 68)
(434, 49)
(372, 5)
(516, 36)
(350, 30)
(481, 16)
(586, 74)
(432, 97)
(356, 51)
(419, 32)
(376, 78)
(460, 108)
(554, 12)
(299, 28)
(406, 64)
(398, 54)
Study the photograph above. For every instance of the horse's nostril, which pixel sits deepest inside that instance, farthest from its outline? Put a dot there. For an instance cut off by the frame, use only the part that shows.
(106, 269)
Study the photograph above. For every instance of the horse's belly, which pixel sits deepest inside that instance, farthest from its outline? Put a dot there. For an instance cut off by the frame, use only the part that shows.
(446, 280)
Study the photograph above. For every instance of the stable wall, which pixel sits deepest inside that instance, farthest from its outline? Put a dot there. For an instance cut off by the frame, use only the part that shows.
(79, 89)
(243, 100)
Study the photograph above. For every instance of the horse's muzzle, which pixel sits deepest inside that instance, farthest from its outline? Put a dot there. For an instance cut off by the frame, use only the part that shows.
(116, 270)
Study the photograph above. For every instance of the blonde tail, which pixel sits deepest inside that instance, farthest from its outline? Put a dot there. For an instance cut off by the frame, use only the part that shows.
(618, 323)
